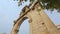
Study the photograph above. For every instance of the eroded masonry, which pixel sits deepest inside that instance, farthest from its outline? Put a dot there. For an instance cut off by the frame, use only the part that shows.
(39, 21)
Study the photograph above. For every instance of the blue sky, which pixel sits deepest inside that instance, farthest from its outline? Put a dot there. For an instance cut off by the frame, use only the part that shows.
(9, 11)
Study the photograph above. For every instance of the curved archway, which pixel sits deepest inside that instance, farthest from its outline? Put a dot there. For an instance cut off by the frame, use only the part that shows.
(25, 27)
(17, 25)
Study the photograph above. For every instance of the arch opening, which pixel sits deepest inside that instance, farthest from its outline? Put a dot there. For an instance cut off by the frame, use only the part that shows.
(25, 27)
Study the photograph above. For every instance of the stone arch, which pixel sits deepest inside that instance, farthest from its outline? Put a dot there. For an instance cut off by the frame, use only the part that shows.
(35, 26)
(17, 25)
(24, 27)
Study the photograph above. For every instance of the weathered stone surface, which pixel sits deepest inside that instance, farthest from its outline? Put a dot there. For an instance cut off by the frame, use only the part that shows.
(39, 21)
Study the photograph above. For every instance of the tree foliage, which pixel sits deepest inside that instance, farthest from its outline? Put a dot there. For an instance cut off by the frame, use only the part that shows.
(46, 4)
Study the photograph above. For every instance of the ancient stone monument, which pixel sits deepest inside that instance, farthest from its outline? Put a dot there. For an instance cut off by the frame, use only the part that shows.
(39, 21)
